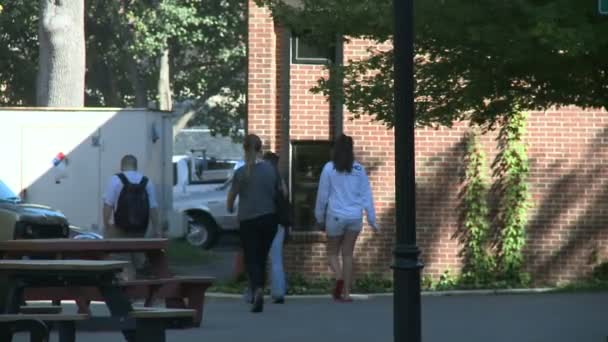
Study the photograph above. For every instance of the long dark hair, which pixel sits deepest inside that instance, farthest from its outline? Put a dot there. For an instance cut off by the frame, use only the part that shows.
(343, 155)
(252, 145)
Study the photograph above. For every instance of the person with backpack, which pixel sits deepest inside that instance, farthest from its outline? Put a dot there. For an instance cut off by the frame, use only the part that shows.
(344, 193)
(129, 204)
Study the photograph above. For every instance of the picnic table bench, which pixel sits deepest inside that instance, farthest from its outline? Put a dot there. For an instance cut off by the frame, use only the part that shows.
(178, 292)
(16, 276)
(38, 325)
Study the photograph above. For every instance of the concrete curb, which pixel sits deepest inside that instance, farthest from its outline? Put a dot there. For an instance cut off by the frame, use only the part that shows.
(424, 293)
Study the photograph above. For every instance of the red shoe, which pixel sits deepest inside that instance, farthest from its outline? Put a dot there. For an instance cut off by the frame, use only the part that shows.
(337, 294)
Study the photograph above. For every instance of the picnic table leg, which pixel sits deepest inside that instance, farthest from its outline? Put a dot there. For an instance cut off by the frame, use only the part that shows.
(153, 289)
(158, 263)
(39, 332)
(196, 301)
(119, 306)
(6, 332)
(150, 330)
(67, 331)
(13, 295)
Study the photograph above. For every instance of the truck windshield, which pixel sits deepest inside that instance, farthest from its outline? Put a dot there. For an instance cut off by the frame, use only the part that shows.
(6, 194)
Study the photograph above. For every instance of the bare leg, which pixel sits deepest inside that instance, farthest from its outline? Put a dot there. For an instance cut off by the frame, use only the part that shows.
(333, 253)
(348, 247)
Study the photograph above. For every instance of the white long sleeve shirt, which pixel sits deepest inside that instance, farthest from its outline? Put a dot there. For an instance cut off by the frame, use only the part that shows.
(345, 194)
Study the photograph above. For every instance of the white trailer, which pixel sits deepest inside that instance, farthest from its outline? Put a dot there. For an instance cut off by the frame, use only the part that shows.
(93, 140)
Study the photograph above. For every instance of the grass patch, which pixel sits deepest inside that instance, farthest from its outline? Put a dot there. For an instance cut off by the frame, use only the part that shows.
(383, 283)
(298, 285)
(590, 285)
(182, 253)
(597, 281)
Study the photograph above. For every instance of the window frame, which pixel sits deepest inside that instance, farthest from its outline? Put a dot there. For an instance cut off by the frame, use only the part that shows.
(295, 59)
(294, 188)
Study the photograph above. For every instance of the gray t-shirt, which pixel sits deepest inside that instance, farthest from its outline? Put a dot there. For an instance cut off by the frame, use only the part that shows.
(257, 191)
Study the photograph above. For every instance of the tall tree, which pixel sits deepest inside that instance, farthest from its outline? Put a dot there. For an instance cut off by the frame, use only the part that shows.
(476, 59)
(18, 53)
(61, 61)
(202, 43)
(205, 41)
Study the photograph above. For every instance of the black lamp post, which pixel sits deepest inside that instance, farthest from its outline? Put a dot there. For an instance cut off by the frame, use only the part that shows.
(406, 265)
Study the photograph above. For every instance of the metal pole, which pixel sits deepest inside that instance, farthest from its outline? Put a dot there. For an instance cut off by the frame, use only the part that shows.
(406, 267)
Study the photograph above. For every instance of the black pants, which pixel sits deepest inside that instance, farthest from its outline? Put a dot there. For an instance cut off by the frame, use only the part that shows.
(256, 238)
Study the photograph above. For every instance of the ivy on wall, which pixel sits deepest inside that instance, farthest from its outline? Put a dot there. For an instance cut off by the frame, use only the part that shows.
(478, 262)
(512, 168)
(484, 265)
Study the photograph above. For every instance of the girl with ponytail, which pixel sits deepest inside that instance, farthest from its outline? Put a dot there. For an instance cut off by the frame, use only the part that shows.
(255, 185)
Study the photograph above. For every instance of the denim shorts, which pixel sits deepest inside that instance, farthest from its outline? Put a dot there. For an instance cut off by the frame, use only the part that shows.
(337, 226)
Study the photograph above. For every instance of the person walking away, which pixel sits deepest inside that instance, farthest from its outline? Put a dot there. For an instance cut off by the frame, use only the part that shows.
(130, 209)
(344, 193)
(255, 185)
(278, 281)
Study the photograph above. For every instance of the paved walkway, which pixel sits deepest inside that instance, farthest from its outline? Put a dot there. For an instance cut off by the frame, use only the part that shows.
(467, 318)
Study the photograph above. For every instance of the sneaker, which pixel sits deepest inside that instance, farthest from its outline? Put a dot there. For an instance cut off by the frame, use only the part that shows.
(258, 302)
(279, 300)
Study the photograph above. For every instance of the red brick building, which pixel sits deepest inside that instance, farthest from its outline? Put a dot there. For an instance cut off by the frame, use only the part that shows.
(566, 234)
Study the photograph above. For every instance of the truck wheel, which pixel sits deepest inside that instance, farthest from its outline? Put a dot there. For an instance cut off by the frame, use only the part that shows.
(202, 231)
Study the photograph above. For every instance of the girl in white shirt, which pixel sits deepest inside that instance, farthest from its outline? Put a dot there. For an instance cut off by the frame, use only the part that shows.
(344, 193)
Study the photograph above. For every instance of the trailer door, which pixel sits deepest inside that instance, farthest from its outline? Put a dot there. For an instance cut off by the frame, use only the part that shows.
(73, 188)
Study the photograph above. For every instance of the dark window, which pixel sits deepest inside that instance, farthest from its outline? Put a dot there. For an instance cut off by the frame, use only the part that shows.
(308, 159)
(304, 51)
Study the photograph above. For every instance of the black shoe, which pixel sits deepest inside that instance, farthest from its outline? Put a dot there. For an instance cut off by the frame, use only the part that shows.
(258, 302)
(279, 300)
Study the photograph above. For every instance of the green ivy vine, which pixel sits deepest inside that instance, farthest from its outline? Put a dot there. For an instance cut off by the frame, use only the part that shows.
(503, 264)
(512, 169)
(478, 262)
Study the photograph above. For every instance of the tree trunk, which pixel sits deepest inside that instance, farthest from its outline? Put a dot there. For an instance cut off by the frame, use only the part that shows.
(164, 84)
(141, 99)
(61, 65)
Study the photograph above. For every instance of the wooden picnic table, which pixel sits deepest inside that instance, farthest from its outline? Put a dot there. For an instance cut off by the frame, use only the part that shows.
(18, 275)
(154, 249)
(178, 292)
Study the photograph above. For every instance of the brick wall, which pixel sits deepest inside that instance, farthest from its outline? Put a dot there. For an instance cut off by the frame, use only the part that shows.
(262, 75)
(568, 159)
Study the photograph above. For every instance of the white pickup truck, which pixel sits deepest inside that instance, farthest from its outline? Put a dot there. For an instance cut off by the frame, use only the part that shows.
(200, 188)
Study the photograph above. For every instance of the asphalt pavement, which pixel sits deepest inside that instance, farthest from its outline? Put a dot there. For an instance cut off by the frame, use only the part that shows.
(468, 318)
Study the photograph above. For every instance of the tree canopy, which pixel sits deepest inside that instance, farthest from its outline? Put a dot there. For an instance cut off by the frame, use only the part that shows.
(206, 42)
(478, 60)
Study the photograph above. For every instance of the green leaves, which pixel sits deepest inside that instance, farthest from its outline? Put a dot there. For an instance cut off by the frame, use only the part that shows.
(479, 263)
(512, 169)
(206, 42)
(476, 60)
(153, 27)
(505, 235)
(18, 52)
